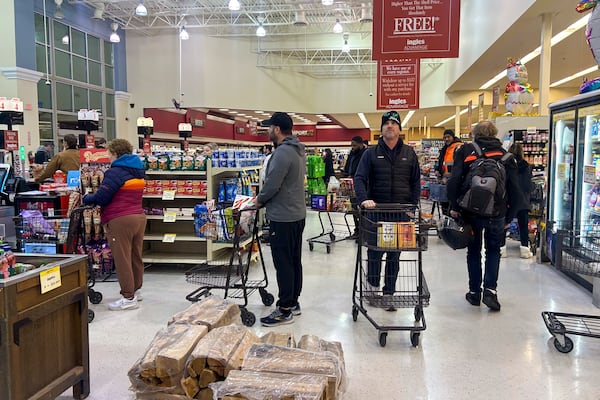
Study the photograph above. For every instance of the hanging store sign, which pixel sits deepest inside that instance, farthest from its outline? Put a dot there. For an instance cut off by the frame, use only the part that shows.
(11, 140)
(495, 98)
(398, 84)
(416, 28)
(87, 156)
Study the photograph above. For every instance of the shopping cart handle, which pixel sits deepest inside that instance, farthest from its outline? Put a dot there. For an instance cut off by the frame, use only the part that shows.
(391, 206)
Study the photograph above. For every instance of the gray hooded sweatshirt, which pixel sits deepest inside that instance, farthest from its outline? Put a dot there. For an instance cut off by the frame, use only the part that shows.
(283, 190)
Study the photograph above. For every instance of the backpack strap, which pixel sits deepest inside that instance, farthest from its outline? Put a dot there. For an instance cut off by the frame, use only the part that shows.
(506, 157)
(477, 149)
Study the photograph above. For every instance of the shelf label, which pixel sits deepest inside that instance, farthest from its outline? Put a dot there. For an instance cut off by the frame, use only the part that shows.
(168, 194)
(589, 174)
(50, 279)
(170, 216)
(169, 238)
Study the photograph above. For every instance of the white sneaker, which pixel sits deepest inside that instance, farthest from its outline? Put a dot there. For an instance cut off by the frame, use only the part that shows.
(525, 252)
(138, 295)
(503, 251)
(123, 304)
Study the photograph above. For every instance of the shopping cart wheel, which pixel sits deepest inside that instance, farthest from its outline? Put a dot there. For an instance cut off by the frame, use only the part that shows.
(418, 313)
(91, 315)
(311, 246)
(382, 338)
(332, 237)
(354, 313)
(267, 298)
(566, 348)
(95, 297)
(248, 318)
(328, 249)
(414, 338)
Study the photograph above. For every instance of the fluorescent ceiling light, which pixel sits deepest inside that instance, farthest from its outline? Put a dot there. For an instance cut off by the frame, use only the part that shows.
(452, 116)
(327, 2)
(364, 120)
(141, 10)
(234, 5)
(568, 31)
(575, 76)
(408, 117)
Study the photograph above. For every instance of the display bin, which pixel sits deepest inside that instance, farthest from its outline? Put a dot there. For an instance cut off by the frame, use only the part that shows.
(44, 346)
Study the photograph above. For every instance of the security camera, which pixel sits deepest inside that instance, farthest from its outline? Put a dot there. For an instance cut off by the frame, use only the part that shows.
(131, 105)
(371, 94)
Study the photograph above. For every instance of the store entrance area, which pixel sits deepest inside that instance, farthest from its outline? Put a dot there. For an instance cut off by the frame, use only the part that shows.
(465, 352)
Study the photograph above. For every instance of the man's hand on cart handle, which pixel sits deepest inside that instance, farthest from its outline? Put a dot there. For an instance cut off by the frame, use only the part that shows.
(368, 204)
(454, 214)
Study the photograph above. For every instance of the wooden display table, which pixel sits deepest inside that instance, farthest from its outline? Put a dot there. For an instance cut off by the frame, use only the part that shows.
(44, 346)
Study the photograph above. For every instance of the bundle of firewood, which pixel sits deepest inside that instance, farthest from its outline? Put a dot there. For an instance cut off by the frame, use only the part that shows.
(212, 312)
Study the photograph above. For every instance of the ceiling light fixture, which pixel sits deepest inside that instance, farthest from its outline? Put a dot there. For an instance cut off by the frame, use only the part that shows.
(114, 36)
(234, 5)
(408, 117)
(65, 40)
(441, 123)
(338, 28)
(346, 46)
(183, 34)
(141, 10)
(260, 31)
(58, 14)
(575, 76)
(559, 37)
(327, 2)
(364, 120)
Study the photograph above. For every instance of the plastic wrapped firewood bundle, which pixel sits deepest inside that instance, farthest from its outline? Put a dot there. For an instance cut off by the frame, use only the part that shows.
(211, 311)
(279, 339)
(269, 358)
(253, 385)
(161, 367)
(315, 343)
(221, 351)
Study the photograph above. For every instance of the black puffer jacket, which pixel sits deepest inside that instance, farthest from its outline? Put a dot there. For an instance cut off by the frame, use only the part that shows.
(525, 183)
(388, 176)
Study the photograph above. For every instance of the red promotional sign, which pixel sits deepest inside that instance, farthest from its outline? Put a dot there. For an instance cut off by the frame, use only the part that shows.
(416, 28)
(11, 140)
(398, 84)
(147, 145)
(88, 156)
(89, 142)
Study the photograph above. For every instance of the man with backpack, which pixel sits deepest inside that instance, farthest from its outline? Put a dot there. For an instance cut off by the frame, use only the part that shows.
(483, 190)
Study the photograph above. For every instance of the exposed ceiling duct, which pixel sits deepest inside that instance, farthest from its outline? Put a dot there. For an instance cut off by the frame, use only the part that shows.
(300, 19)
(99, 11)
(366, 13)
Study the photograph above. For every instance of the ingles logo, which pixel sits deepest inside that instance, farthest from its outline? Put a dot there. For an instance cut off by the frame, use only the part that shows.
(413, 25)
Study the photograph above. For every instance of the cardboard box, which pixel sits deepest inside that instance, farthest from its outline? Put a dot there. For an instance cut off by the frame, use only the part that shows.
(387, 235)
(407, 235)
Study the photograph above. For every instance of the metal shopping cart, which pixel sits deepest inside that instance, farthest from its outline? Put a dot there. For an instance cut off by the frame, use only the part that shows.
(231, 273)
(391, 229)
(577, 250)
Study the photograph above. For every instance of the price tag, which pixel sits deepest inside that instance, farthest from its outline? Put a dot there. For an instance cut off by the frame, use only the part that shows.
(170, 216)
(169, 238)
(50, 279)
(168, 194)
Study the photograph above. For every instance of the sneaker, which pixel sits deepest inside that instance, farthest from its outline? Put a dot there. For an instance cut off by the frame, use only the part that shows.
(123, 304)
(138, 295)
(296, 310)
(503, 251)
(525, 252)
(490, 299)
(388, 302)
(277, 317)
(474, 298)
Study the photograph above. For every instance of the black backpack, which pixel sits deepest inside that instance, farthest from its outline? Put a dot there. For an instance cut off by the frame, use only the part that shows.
(484, 186)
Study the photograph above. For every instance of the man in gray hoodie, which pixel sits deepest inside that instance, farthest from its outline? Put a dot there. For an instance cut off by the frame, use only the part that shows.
(283, 196)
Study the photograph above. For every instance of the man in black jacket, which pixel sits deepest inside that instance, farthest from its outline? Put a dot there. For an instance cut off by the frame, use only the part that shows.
(387, 173)
(484, 134)
(358, 148)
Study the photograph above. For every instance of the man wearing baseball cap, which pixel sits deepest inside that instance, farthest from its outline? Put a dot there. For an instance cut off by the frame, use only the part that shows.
(387, 173)
(283, 196)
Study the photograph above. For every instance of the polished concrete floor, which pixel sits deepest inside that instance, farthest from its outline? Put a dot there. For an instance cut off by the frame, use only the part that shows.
(465, 352)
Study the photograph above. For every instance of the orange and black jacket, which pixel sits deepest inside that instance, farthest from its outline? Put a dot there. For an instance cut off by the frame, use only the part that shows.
(121, 190)
(491, 148)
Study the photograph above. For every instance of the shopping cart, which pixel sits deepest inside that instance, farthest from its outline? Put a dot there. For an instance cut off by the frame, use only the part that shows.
(394, 229)
(231, 273)
(331, 232)
(577, 250)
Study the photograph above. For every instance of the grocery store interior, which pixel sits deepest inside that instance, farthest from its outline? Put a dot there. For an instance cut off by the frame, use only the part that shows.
(188, 83)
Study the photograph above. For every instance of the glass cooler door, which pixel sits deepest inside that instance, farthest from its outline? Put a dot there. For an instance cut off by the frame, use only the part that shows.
(561, 166)
(588, 172)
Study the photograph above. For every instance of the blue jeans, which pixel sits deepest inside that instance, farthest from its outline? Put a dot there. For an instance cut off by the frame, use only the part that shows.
(491, 231)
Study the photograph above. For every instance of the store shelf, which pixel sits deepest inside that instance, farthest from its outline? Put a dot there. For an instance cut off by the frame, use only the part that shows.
(217, 171)
(178, 218)
(196, 173)
(173, 258)
(177, 196)
(178, 238)
(217, 246)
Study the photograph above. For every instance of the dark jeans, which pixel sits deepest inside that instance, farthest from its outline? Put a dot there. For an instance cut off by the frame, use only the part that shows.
(523, 220)
(286, 249)
(491, 232)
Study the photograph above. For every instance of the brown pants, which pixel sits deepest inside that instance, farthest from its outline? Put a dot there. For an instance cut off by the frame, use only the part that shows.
(125, 237)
